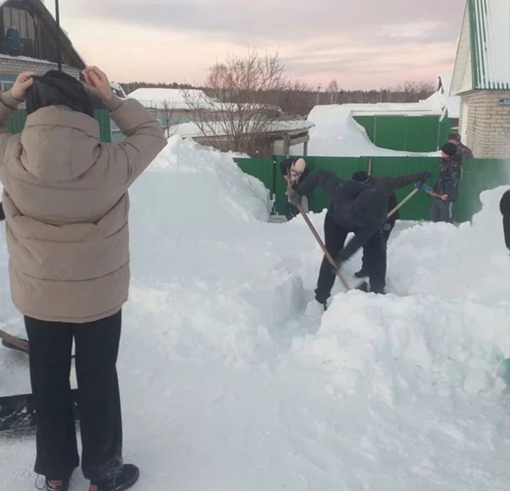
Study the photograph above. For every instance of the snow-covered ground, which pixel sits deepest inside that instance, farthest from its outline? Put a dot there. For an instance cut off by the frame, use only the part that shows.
(226, 386)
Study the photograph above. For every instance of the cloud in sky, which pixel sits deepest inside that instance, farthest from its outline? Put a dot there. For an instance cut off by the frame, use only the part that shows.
(362, 43)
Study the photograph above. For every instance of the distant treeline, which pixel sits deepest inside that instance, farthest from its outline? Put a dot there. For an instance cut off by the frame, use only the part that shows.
(300, 99)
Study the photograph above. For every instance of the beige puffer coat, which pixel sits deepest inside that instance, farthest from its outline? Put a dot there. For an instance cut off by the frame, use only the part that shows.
(66, 206)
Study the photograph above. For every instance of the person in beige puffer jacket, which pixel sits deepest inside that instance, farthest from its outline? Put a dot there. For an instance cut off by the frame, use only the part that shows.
(66, 206)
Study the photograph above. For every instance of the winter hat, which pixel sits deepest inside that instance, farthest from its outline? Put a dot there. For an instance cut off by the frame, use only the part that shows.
(360, 176)
(300, 165)
(449, 149)
(56, 88)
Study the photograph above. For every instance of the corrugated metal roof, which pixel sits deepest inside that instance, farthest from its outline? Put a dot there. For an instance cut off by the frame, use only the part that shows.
(490, 43)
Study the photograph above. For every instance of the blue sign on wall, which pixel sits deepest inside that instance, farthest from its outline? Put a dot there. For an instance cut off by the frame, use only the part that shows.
(504, 102)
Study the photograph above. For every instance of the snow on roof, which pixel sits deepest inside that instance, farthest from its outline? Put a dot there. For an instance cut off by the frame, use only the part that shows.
(483, 53)
(167, 98)
(452, 101)
(192, 130)
(336, 133)
(432, 105)
(181, 99)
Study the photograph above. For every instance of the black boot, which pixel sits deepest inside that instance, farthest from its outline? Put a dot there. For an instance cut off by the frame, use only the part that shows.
(127, 478)
(57, 485)
(362, 273)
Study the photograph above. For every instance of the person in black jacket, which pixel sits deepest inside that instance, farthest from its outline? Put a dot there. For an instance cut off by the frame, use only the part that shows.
(504, 206)
(387, 185)
(446, 190)
(2, 214)
(294, 171)
(357, 208)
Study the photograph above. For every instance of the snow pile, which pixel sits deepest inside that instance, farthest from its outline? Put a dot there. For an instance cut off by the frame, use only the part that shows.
(469, 261)
(208, 180)
(227, 386)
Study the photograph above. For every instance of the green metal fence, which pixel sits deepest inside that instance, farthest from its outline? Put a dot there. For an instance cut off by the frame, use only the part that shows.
(477, 175)
(407, 133)
(17, 122)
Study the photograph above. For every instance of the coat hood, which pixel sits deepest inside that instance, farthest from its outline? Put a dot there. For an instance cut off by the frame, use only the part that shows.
(59, 144)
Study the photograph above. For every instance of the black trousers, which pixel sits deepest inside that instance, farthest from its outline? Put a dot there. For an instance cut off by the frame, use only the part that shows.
(96, 349)
(374, 250)
(506, 229)
(386, 232)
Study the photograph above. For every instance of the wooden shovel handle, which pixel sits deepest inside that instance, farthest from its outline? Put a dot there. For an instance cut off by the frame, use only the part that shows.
(15, 341)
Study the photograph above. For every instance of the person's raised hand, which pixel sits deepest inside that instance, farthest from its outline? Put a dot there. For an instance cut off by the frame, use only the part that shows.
(98, 81)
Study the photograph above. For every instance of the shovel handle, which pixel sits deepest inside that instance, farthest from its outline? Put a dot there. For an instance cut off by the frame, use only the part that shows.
(321, 244)
(403, 202)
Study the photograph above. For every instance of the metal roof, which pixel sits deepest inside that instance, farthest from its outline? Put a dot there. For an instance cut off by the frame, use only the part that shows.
(483, 54)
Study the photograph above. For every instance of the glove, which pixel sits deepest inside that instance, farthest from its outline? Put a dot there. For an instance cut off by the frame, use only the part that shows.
(424, 188)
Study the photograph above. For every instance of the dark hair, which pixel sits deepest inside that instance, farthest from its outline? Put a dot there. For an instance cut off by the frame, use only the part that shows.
(454, 136)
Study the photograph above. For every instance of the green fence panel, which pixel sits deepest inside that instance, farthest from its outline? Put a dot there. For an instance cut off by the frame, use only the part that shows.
(407, 133)
(422, 133)
(105, 129)
(16, 123)
(368, 122)
(477, 175)
(391, 132)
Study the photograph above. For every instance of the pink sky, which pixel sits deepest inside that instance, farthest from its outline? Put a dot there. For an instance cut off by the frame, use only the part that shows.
(360, 43)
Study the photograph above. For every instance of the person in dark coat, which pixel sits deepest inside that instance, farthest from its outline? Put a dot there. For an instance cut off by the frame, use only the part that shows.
(446, 190)
(294, 170)
(355, 207)
(463, 151)
(387, 185)
(504, 206)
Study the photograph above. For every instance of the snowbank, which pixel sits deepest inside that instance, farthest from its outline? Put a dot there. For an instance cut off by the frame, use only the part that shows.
(469, 261)
(227, 386)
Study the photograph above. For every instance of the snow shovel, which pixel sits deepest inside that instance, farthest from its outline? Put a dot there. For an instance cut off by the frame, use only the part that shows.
(363, 285)
(13, 342)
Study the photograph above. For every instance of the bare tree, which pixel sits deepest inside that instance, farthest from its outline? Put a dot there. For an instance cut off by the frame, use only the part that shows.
(333, 91)
(168, 113)
(238, 103)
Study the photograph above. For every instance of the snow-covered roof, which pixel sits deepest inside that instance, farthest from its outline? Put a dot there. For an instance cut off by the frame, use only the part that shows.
(432, 105)
(483, 52)
(186, 99)
(336, 133)
(192, 130)
(167, 98)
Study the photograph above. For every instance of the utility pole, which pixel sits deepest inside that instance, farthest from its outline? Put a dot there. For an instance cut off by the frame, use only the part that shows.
(57, 17)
